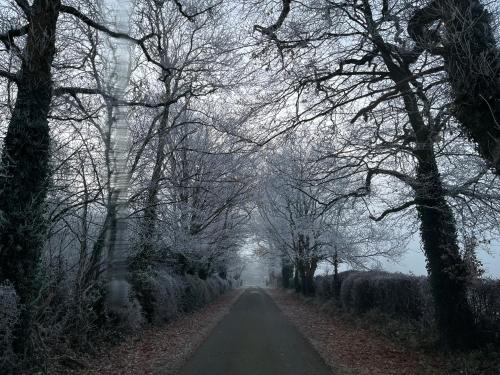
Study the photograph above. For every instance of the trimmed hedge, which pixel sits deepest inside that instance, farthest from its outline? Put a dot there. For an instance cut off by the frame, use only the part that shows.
(406, 297)
(396, 295)
(165, 295)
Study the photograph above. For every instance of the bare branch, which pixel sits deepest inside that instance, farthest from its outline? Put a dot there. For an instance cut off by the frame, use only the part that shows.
(271, 30)
(191, 17)
(389, 211)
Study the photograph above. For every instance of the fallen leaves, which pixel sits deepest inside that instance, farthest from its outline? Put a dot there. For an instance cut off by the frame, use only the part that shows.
(160, 350)
(347, 348)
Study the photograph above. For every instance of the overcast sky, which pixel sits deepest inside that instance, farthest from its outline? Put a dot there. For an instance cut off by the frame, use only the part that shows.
(413, 261)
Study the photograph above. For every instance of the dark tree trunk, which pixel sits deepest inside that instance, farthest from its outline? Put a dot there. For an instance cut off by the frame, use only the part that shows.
(310, 271)
(472, 62)
(336, 280)
(305, 266)
(286, 274)
(308, 288)
(306, 272)
(25, 158)
(303, 278)
(447, 271)
(94, 267)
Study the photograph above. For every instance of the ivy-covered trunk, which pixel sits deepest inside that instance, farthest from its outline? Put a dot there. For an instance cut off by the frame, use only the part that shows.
(447, 271)
(25, 157)
(472, 63)
(446, 268)
(472, 60)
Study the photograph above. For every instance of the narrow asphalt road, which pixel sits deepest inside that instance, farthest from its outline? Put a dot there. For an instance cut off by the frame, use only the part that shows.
(255, 338)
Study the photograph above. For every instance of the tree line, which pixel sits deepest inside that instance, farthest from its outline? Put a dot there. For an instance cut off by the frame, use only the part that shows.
(402, 94)
(121, 186)
(159, 136)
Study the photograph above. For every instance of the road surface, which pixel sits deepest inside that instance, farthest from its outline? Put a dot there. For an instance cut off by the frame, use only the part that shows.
(255, 338)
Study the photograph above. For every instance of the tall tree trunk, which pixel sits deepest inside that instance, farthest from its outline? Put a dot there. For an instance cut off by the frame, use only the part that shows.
(308, 282)
(286, 272)
(447, 271)
(25, 160)
(306, 265)
(303, 278)
(472, 62)
(306, 269)
(336, 280)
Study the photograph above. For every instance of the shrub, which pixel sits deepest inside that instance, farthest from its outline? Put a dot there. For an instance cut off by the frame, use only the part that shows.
(86, 316)
(484, 298)
(122, 307)
(196, 293)
(324, 286)
(214, 288)
(406, 298)
(163, 294)
(396, 295)
(166, 293)
(217, 286)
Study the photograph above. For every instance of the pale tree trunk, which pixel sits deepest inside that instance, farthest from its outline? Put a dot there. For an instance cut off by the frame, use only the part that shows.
(116, 232)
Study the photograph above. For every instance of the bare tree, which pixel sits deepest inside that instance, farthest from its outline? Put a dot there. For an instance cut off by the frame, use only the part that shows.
(378, 79)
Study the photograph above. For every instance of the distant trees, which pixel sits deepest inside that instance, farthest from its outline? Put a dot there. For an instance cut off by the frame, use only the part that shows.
(306, 221)
(190, 57)
(292, 219)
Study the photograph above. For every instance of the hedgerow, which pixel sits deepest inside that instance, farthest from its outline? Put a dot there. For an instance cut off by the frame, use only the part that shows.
(408, 298)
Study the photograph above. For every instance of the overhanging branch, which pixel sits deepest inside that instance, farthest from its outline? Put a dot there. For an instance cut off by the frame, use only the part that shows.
(271, 30)
(389, 211)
